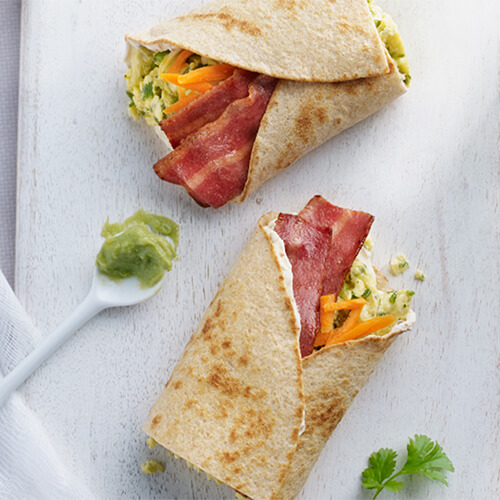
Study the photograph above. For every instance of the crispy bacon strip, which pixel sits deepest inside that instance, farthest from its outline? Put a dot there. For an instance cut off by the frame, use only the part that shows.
(207, 107)
(306, 247)
(212, 163)
(321, 244)
(349, 231)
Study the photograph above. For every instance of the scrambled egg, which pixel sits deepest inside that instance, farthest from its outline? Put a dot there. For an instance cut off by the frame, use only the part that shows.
(362, 282)
(399, 264)
(152, 467)
(149, 94)
(419, 275)
(388, 32)
(151, 442)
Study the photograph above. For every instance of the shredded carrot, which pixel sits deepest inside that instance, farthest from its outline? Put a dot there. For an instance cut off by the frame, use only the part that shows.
(179, 61)
(349, 323)
(181, 103)
(328, 307)
(331, 306)
(362, 329)
(207, 74)
(181, 92)
(198, 87)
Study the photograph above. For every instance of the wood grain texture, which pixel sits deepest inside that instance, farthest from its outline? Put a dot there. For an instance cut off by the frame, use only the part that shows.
(426, 166)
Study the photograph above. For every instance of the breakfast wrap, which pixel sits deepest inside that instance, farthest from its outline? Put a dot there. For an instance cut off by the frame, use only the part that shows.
(241, 89)
(292, 335)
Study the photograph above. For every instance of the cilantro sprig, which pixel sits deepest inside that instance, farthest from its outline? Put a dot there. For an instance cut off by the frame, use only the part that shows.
(425, 457)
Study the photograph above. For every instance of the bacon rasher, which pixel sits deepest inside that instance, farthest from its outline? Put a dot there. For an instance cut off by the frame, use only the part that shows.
(212, 162)
(206, 108)
(321, 244)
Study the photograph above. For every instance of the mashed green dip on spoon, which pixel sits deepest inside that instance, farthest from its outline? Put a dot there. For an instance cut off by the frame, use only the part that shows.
(130, 268)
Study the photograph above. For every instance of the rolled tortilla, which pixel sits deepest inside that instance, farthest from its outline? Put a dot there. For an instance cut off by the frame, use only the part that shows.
(305, 40)
(332, 74)
(237, 401)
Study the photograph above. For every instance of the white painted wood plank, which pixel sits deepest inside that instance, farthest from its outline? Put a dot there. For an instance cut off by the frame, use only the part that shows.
(426, 167)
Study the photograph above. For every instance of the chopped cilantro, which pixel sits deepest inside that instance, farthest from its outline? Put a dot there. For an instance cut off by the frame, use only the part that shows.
(159, 56)
(366, 293)
(393, 297)
(147, 90)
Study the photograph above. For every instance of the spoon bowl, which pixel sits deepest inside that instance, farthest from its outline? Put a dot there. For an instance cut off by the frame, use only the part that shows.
(125, 292)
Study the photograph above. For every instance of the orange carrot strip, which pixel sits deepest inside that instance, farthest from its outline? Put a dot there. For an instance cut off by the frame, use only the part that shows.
(321, 338)
(349, 323)
(179, 61)
(326, 321)
(329, 306)
(207, 74)
(181, 103)
(364, 328)
(198, 87)
(181, 92)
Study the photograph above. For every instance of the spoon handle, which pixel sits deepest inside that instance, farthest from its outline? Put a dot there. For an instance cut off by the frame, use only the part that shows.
(86, 310)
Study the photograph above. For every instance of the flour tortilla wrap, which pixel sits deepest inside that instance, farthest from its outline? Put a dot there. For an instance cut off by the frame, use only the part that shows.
(305, 40)
(236, 401)
(311, 45)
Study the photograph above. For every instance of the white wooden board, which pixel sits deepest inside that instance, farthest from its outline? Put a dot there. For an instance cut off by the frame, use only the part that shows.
(426, 167)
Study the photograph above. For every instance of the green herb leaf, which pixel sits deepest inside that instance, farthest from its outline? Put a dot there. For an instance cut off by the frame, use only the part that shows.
(159, 56)
(393, 297)
(147, 90)
(382, 465)
(425, 457)
(366, 293)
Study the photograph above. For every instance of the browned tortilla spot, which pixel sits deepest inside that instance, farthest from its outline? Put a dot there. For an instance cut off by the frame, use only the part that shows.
(218, 309)
(227, 456)
(243, 360)
(233, 436)
(190, 403)
(228, 21)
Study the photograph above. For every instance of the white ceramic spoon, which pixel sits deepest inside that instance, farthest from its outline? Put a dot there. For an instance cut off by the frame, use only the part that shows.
(104, 293)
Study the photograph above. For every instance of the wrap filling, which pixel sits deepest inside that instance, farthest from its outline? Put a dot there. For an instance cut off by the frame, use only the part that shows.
(335, 285)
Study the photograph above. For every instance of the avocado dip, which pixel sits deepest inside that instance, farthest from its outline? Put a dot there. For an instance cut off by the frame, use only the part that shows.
(144, 246)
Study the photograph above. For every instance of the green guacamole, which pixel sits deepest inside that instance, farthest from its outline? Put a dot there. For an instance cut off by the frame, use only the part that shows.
(149, 94)
(143, 246)
(388, 32)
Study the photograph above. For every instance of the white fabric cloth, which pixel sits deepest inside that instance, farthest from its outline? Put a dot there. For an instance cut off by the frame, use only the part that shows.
(30, 467)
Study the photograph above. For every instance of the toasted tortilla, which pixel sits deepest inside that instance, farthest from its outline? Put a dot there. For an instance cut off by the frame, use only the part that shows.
(234, 403)
(332, 378)
(304, 40)
(237, 399)
(301, 116)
